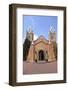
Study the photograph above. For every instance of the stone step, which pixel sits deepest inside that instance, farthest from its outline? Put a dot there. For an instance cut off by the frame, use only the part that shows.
(41, 61)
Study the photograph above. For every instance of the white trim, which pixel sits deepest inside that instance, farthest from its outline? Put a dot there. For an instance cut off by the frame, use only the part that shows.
(39, 77)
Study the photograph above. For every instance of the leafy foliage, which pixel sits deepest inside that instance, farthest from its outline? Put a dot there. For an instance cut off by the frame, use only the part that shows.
(26, 47)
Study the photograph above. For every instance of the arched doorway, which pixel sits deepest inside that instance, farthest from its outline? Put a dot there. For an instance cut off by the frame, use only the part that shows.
(41, 55)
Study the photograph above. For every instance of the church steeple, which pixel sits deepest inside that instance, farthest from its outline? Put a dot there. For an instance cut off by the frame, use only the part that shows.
(52, 35)
(30, 34)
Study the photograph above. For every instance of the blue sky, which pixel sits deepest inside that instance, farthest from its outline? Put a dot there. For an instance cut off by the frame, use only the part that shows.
(40, 24)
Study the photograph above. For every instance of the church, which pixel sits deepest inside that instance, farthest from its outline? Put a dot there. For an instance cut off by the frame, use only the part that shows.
(41, 49)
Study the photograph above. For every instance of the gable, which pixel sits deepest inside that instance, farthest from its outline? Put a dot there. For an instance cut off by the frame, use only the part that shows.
(41, 39)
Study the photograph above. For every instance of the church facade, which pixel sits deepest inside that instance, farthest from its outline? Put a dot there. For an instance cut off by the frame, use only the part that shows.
(41, 49)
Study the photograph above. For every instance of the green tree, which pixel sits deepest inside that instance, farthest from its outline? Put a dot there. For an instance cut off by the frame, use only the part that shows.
(26, 47)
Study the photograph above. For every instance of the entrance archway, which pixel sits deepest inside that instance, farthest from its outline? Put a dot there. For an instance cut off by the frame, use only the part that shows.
(41, 55)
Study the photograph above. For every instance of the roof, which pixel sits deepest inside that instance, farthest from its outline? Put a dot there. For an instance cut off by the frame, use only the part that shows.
(40, 39)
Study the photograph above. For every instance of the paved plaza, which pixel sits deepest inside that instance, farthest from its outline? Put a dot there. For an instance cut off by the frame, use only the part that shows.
(39, 67)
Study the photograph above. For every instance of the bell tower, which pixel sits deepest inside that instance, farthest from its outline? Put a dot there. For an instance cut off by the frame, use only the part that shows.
(29, 34)
(52, 35)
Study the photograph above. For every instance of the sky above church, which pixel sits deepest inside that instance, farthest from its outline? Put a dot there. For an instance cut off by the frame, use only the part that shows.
(40, 24)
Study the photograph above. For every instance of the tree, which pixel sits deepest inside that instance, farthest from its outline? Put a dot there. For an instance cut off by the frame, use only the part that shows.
(26, 47)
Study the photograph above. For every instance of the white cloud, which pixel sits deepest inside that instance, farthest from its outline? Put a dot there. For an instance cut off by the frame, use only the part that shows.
(35, 37)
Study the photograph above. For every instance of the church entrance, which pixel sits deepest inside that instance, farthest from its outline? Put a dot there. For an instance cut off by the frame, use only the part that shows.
(41, 55)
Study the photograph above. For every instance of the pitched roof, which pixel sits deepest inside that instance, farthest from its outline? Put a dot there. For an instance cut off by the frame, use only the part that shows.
(40, 39)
